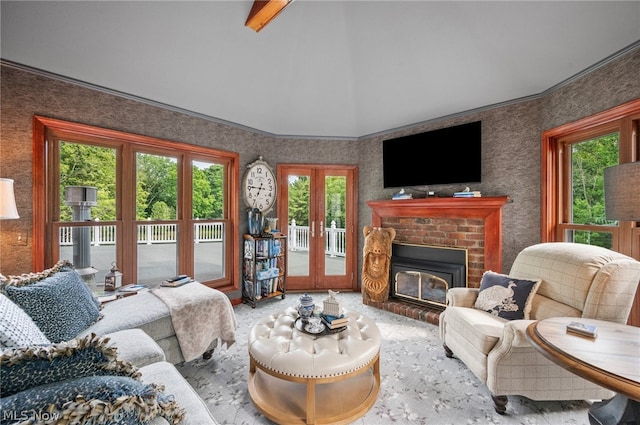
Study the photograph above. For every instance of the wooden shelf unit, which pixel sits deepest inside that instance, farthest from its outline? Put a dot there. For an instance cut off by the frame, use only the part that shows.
(264, 268)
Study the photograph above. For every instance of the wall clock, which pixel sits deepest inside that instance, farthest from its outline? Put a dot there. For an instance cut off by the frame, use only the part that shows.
(259, 186)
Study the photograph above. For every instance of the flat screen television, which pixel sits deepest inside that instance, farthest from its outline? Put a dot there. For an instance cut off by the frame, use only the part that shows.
(444, 156)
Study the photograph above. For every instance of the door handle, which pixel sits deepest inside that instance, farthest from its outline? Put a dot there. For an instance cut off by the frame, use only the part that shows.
(313, 229)
(321, 229)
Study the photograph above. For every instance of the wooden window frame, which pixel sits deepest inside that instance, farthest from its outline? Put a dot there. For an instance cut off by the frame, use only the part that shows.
(46, 132)
(624, 119)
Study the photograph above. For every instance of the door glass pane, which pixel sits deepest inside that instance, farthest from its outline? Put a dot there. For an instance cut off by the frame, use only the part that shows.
(299, 236)
(335, 189)
(208, 203)
(156, 187)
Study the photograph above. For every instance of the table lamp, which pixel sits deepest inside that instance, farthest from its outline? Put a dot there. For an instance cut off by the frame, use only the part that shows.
(7, 200)
(7, 203)
(622, 192)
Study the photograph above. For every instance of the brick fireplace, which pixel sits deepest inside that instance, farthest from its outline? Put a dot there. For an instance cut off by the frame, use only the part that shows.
(474, 224)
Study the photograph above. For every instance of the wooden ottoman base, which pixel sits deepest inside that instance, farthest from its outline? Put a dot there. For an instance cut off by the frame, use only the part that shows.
(336, 400)
(301, 378)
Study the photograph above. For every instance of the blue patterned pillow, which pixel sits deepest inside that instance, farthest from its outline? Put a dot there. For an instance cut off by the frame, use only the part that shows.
(16, 327)
(97, 400)
(505, 296)
(27, 367)
(61, 304)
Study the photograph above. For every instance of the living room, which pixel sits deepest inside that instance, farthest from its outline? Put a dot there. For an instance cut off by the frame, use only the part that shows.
(512, 143)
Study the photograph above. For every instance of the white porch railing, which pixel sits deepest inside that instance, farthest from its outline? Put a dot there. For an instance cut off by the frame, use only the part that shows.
(335, 239)
(147, 234)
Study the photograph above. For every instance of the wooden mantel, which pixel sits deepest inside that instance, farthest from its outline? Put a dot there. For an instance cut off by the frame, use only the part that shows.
(488, 208)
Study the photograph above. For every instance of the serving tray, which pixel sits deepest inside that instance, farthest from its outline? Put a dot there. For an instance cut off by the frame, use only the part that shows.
(300, 325)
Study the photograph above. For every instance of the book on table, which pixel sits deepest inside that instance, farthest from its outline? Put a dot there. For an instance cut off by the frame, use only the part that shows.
(334, 322)
(177, 281)
(582, 329)
(133, 287)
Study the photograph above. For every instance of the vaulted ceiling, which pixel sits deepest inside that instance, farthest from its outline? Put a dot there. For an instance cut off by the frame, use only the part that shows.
(321, 68)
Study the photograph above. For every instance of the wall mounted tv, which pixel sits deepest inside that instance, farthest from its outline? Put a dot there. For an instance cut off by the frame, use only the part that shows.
(445, 156)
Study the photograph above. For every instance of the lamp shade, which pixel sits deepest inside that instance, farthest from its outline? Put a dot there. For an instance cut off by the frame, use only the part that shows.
(7, 200)
(622, 192)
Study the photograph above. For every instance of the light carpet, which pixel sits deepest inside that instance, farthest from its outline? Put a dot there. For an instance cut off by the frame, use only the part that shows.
(420, 385)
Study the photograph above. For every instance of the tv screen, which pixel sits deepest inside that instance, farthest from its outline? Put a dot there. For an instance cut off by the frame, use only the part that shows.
(445, 156)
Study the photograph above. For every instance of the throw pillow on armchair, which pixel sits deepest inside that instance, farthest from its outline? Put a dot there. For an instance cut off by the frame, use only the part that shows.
(506, 296)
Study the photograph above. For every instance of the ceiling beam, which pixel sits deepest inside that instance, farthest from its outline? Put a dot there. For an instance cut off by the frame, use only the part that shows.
(264, 11)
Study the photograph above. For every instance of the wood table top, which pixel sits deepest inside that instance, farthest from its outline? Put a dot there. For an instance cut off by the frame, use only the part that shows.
(611, 360)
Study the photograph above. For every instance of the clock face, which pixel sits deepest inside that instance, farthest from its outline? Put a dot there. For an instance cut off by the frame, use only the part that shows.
(259, 186)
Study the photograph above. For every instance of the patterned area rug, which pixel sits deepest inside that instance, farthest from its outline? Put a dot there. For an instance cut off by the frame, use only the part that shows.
(420, 385)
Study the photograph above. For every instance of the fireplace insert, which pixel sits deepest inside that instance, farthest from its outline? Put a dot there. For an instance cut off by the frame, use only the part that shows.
(422, 274)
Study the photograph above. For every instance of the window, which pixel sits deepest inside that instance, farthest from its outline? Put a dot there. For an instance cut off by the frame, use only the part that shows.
(574, 159)
(153, 207)
(583, 215)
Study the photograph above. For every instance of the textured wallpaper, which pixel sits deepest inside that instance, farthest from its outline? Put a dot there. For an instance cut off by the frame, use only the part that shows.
(511, 143)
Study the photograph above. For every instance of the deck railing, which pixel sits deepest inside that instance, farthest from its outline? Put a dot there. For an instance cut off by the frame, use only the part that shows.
(335, 238)
(147, 234)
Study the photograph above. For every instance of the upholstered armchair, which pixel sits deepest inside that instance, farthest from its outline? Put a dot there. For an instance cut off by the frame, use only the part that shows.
(562, 279)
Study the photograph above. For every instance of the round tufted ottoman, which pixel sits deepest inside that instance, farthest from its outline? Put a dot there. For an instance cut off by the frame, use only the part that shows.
(297, 378)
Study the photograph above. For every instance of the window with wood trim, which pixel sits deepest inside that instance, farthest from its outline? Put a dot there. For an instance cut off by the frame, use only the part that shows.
(574, 158)
(153, 207)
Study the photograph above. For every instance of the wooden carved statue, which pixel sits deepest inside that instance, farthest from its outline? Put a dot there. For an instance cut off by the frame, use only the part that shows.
(376, 261)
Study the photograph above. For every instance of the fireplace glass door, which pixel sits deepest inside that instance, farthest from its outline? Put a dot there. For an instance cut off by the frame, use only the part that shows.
(423, 274)
(420, 286)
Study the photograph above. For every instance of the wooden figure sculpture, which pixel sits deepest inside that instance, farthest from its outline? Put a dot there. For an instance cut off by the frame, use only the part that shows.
(376, 261)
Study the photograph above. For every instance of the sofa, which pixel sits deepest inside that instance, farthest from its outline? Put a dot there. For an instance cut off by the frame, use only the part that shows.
(59, 359)
(485, 327)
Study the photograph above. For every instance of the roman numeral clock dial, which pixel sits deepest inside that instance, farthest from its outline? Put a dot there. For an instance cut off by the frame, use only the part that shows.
(259, 186)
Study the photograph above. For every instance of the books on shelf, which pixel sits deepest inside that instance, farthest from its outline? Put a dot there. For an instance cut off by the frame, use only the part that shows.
(263, 288)
(467, 194)
(176, 281)
(264, 266)
(248, 249)
(334, 322)
(266, 247)
(402, 195)
(582, 329)
(405, 196)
